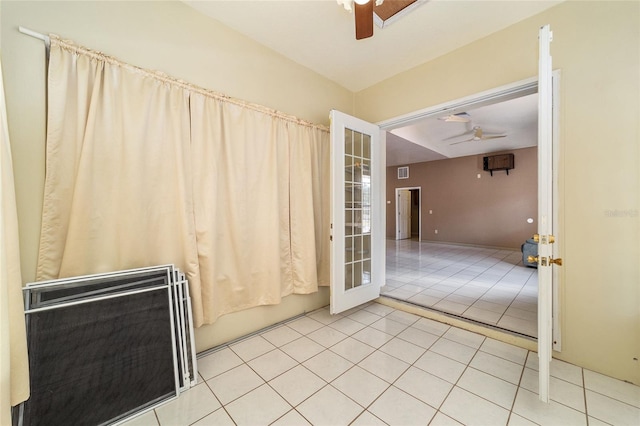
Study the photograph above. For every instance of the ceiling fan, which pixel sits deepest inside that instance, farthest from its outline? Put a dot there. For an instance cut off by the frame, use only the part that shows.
(364, 13)
(461, 117)
(478, 135)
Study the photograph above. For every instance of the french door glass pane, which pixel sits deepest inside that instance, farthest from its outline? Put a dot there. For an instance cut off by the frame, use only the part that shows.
(357, 209)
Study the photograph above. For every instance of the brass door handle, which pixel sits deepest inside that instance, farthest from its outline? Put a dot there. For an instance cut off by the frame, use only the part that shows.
(551, 239)
(556, 261)
(532, 259)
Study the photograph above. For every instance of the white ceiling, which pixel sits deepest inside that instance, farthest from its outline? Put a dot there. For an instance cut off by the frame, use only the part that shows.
(320, 35)
(436, 139)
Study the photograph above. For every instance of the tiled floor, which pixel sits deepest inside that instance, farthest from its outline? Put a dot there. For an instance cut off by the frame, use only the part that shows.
(375, 365)
(486, 285)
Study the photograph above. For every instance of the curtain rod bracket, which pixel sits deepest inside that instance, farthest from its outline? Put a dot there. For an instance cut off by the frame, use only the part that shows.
(39, 36)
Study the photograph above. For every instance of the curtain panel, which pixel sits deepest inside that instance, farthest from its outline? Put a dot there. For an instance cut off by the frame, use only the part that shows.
(14, 362)
(143, 169)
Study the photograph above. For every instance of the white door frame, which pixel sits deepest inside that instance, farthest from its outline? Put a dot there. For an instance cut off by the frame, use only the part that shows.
(419, 188)
(501, 94)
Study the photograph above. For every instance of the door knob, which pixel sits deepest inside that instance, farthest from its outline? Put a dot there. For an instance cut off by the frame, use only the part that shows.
(556, 261)
(549, 240)
(532, 259)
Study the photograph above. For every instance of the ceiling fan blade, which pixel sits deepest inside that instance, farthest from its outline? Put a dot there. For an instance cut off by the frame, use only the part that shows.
(493, 137)
(467, 140)
(461, 117)
(469, 132)
(364, 19)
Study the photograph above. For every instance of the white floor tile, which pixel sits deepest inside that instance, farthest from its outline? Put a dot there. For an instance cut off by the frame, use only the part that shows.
(616, 389)
(611, 410)
(401, 349)
(471, 410)
(327, 336)
(218, 418)
(484, 316)
(327, 365)
(389, 326)
(440, 366)
(364, 317)
(385, 366)
(146, 419)
(234, 383)
(302, 349)
(453, 350)
(519, 325)
(443, 420)
(559, 390)
(398, 408)
(347, 326)
(304, 325)
(297, 384)
(403, 317)
(218, 362)
(378, 309)
(418, 337)
(272, 364)
(424, 386)
(431, 326)
(560, 369)
(323, 316)
(281, 335)
(465, 337)
(516, 420)
(424, 299)
(498, 367)
(449, 306)
(329, 407)
(352, 349)
(360, 385)
(489, 387)
(372, 337)
(261, 406)
(504, 350)
(252, 347)
(367, 419)
(531, 408)
(292, 418)
(190, 406)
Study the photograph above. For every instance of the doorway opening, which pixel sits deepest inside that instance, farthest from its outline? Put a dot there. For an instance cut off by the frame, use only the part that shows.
(483, 283)
(408, 213)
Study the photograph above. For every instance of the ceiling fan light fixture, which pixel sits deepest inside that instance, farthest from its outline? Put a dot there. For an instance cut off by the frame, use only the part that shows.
(348, 4)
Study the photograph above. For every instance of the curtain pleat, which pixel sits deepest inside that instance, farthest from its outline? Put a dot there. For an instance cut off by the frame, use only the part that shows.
(14, 362)
(118, 187)
(144, 170)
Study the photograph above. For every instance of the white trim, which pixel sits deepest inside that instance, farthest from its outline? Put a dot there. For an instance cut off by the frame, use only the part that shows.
(545, 211)
(499, 94)
(557, 330)
(419, 188)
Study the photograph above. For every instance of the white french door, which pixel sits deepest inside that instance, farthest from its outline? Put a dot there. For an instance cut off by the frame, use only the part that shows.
(546, 219)
(357, 211)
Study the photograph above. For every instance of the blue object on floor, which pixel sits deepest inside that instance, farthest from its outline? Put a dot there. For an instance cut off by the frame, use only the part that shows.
(529, 248)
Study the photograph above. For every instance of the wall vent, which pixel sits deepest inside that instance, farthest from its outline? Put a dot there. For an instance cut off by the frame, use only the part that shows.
(403, 172)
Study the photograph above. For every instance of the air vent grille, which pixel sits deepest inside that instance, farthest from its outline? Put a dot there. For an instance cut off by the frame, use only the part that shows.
(403, 172)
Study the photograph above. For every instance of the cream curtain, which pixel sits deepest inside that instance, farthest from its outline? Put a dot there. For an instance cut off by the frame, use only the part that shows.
(118, 185)
(143, 169)
(14, 364)
(259, 215)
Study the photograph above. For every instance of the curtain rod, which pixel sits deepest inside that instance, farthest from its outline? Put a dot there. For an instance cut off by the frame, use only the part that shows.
(39, 36)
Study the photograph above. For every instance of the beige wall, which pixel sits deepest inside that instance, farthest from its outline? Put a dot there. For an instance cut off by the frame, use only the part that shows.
(486, 211)
(597, 47)
(165, 36)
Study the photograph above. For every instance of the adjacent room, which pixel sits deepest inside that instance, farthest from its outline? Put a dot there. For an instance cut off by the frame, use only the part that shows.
(188, 238)
(456, 238)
